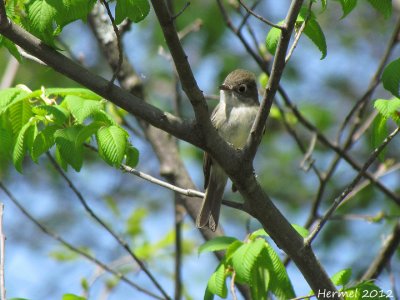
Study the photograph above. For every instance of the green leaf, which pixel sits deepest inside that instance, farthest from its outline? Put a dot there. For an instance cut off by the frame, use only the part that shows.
(312, 29)
(383, 6)
(63, 255)
(301, 230)
(112, 205)
(263, 80)
(60, 160)
(112, 142)
(260, 281)
(388, 108)
(217, 282)
(55, 113)
(8, 96)
(262, 233)
(379, 133)
(324, 4)
(258, 233)
(43, 141)
(20, 114)
(72, 297)
(230, 251)
(391, 77)
(69, 142)
(6, 144)
(314, 32)
(342, 277)
(134, 10)
(363, 290)
(273, 38)
(70, 145)
(10, 46)
(347, 6)
(279, 283)
(134, 222)
(132, 156)
(40, 19)
(71, 10)
(216, 244)
(21, 145)
(82, 108)
(244, 259)
(79, 92)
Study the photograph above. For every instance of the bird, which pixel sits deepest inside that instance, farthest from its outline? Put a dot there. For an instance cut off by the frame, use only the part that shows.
(233, 118)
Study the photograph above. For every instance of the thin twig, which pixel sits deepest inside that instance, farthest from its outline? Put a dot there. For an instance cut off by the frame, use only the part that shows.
(121, 241)
(342, 153)
(247, 15)
(192, 27)
(389, 248)
(262, 19)
(174, 17)
(381, 171)
(375, 78)
(307, 160)
(2, 255)
(278, 66)
(232, 286)
(56, 237)
(298, 34)
(189, 84)
(238, 33)
(350, 187)
(176, 189)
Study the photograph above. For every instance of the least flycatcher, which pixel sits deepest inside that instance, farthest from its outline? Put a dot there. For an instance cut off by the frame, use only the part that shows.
(233, 118)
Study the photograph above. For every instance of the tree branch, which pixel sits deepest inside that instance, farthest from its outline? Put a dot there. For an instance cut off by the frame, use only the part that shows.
(165, 147)
(262, 19)
(389, 248)
(81, 252)
(278, 66)
(342, 153)
(350, 187)
(189, 84)
(119, 239)
(158, 118)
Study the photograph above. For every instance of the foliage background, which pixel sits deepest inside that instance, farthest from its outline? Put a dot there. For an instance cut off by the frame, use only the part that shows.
(324, 90)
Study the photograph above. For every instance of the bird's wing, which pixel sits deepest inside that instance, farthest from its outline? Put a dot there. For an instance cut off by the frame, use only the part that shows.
(207, 161)
(206, 168)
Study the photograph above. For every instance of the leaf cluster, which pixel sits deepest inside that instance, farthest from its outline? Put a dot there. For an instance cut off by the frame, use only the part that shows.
(307, 20)
(252, 262)
(388, 109)
(34, 121)
(46, 18)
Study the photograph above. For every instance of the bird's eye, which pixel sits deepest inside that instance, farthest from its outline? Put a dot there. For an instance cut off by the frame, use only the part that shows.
(242, 88)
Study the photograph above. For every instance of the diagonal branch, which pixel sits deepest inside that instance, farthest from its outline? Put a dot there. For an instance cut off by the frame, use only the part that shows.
(350, 187)
(389, 248)
(189, 84)
(158, 118)
(278, 66)
(342, 153)
(262, 19)
(119, 239)
(71, 247)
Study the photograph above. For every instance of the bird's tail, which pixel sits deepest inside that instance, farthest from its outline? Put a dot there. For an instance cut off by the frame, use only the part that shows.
(211, 206)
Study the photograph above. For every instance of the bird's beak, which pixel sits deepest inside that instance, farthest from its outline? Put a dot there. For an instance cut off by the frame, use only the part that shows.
(225, 87)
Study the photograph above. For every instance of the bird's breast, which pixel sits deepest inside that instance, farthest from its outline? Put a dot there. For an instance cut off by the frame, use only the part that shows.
(237, 124)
